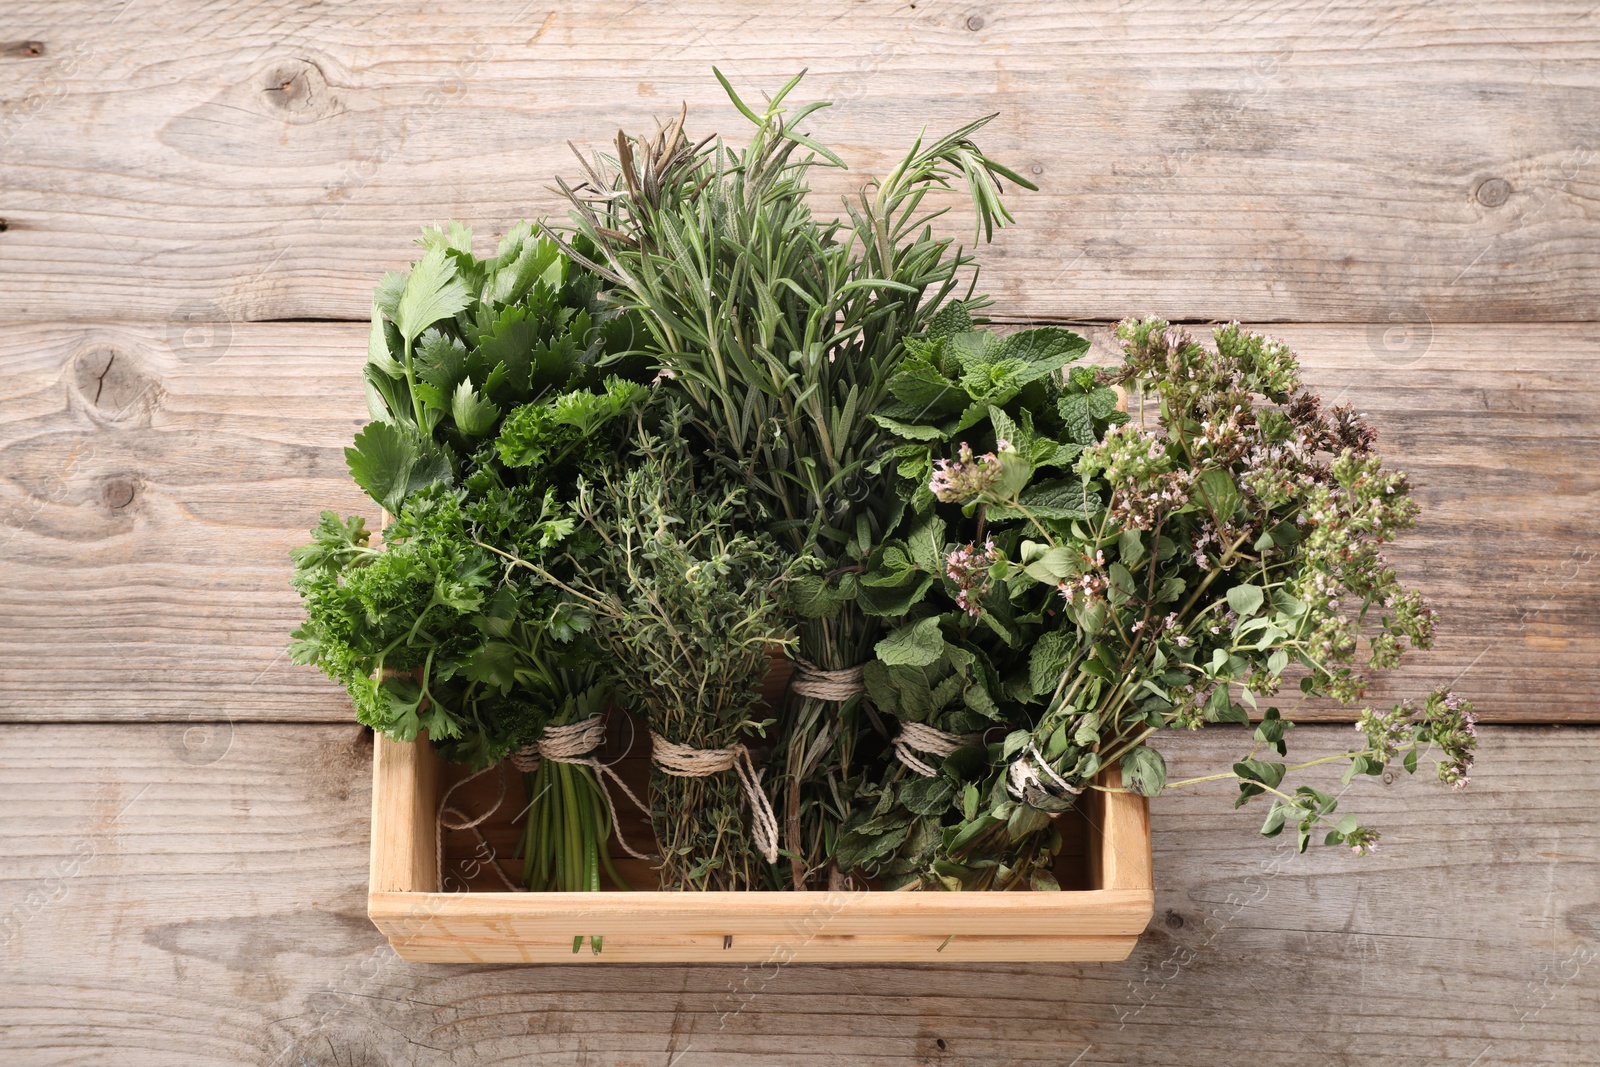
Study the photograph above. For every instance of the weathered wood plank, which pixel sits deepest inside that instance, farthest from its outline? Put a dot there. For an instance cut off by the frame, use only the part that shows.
(150, 498)
(150, 506)
(164, 909)
(1318, 161)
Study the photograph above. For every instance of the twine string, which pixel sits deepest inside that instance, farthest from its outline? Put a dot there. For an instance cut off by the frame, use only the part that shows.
(1030, 770)
(686, 761)
(576, 743)
(451, 818)
(561, 744)
(812, 681)
(915, 737)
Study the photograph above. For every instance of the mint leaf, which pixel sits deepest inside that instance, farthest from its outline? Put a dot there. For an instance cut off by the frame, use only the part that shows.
(909, 430)
(1064, 498)
(950, 319)
(919, 644)
(919, 385)
(925, 544)
(1049, 660)
(894, 600)
(812, 597)
(928, 796)
(1046, 349)
(1078, 416)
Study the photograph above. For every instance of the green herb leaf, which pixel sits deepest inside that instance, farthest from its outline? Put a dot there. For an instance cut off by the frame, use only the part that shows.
(918, 644)
(1270, 774)
(474, 414)
(1051, 656)
(432, 292)
(1246, 600)
(391, 463)
(1144, 770)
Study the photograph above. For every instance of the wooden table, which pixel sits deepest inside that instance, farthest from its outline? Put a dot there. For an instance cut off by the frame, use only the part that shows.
(197, 198)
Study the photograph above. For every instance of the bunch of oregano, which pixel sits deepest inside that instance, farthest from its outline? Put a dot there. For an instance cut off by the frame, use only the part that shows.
(1098, 577)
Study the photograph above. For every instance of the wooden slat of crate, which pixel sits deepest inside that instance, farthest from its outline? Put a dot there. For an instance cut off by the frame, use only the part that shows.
(149, 503)
(647, 926)
(768, 950)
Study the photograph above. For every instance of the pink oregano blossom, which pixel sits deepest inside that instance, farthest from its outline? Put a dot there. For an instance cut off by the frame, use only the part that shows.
(969, 569)
(961, 479)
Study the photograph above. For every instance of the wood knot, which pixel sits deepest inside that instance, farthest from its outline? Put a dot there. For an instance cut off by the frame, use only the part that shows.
(975, 23)
(1494, 192)
(116, 493)
(23, 49)
(296, 87)
(113, 386)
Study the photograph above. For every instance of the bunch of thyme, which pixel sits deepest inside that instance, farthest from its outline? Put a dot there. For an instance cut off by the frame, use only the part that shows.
(685, 604)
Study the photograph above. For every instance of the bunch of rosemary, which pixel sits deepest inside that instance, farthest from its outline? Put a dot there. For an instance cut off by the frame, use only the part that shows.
(782, 331)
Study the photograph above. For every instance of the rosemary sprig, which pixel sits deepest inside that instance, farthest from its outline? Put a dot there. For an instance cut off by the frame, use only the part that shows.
(782, 330)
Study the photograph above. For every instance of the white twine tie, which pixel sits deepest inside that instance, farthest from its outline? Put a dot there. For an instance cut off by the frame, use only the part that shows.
(915, 737)
(576, 743)
(812, 681)
(684, 761)
(1030, 769)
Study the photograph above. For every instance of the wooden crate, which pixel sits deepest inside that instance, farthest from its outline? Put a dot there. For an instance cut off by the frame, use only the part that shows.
(429, 926)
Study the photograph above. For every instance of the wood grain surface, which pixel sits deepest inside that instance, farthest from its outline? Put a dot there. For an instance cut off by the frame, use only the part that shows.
(184, 833)
(165, 907)
(1314, 160)
(150, 498)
